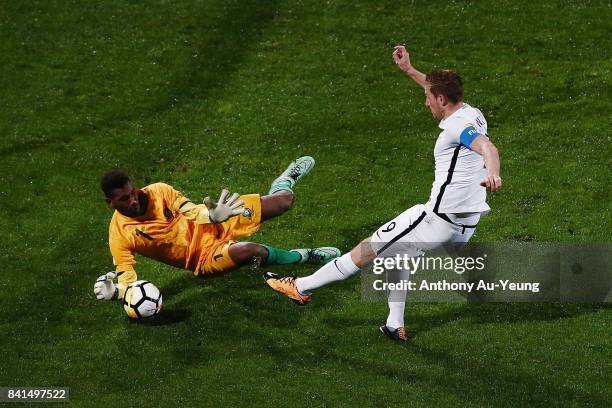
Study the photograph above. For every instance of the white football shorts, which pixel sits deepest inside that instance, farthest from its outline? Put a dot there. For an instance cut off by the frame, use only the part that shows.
(415, 231)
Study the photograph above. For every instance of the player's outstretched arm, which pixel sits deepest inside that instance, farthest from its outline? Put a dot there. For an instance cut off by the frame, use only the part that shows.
(483, 146)
(105, 287)
(402, 59)
(210, 212)
(225, 208)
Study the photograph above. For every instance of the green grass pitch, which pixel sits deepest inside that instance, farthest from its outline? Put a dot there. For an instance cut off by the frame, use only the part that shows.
(205, 94)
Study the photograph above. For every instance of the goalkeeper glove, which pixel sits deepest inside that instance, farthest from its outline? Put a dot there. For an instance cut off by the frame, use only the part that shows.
(104, 288)
(223, 209)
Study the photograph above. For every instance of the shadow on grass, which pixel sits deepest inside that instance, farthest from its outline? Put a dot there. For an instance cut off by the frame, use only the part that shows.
(506, 313)
(177, 285)
(236, 316)
(477, 313)
(166, 317)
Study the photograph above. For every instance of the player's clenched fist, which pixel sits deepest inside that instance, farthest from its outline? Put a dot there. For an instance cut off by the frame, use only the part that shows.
(402, 58)
(493, 183)
(104, 288)
(223, 209)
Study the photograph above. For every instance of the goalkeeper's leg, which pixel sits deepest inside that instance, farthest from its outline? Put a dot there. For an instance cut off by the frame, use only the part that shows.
(276, 204)
(294, 173)
(280, 197)
(243, 253)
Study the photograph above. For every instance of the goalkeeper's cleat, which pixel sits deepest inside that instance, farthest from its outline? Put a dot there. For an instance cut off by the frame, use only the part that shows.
(317, 256)
(398, 334)
(294, 173)
(286, 286)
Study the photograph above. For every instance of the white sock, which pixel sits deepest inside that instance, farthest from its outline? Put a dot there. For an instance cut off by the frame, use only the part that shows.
(397, 303)
(334, 271)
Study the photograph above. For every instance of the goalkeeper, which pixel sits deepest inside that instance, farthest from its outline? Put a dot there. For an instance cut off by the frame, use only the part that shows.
(159, 222)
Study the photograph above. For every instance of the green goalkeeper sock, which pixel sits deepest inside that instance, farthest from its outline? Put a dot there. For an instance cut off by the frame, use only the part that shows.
(278, 256)
(281, 184)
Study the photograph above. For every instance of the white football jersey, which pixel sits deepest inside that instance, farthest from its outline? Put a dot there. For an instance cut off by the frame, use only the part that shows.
(459, 170)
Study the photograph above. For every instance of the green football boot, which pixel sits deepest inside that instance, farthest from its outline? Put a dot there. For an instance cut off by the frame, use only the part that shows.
(294, 173)
(317, 256)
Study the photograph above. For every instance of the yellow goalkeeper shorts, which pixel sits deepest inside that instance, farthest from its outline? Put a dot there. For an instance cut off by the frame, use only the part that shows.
(215, 257)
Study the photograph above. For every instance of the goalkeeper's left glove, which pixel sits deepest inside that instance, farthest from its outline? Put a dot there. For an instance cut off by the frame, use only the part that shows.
(224, 209)
(105, 288)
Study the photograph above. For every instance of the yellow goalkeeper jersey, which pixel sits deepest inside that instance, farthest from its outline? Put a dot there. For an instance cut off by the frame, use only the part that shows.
(177, 232)
(161, 233)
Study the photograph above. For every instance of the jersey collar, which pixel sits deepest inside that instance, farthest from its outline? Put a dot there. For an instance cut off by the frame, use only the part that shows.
(442, 125)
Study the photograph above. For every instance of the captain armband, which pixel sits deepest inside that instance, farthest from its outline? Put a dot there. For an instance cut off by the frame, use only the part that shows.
(468, 135)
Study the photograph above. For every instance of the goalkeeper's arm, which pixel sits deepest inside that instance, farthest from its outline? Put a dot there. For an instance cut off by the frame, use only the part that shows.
(211, 212)
(106, 289)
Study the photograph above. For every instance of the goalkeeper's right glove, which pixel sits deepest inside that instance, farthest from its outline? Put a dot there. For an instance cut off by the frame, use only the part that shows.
(224, 209)
(105, 288)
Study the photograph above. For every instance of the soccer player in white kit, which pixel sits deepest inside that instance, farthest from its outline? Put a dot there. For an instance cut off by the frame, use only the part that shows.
(466, 165)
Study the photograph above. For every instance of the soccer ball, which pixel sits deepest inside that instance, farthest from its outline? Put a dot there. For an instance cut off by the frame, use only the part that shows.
(142, 299)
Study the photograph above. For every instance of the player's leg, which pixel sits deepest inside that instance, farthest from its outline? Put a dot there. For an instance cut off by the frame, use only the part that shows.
(243, 253)
(427, 235)
(276, 204)
(292, 174)
(225, 256)
(280, 197)
(410, 246)
(396, 299)
(298, 289)
(431, 234)
(425, 232)
(340, 269)
(343, 267)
